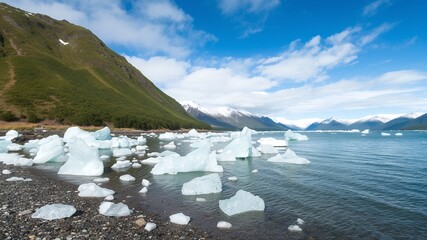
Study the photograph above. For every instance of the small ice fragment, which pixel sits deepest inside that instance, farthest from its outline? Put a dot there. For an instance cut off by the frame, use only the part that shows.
(385, 134)
(398, 134)
(14, 179)
(200, 199)
(54, 211)
(143, 190)
(300, 221)
(291, 136)
(241, 202)
(127, 178)
(233, 178)
(93, 190)
(255, 170)
(223, 225)
(145, 183)
(294, 228)
(6, 172)
(179, 218)
(150, 226)
(136, 165)
(101, 180)
(170, 146)
(121, 164)
(114, 210)
(109, 198)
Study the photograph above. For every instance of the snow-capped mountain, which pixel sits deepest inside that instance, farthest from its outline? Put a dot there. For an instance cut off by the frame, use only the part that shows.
(299, 124)
(232, 119)
(328, 124)
(401, 122)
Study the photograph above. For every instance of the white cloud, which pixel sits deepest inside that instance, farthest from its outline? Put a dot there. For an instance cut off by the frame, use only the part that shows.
(151, 27)
(250, 6)
(374, 34)
(372, 8)
(402, 77)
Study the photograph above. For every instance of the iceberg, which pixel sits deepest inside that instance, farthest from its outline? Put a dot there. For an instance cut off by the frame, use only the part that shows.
(267, 149)
(201, 159)
(54, 211)
(93, 190)
(102, 134)
(273, 142)
(127, 178)
(241, 147)
(50, 149)
(3, 146)
(203, 185)
(114, 210)
(15, 159)
(179, 218)
(223, 225)
(10, 135)
(145, 183)
(121, 165)
(121, 152)
(292, 136)
(300, 221)
(14, 147)
(241, 202)
(193, 133)
(289, 157)
(294, 228)
(366, 131)
(167, 136)
(83, 160)
(170, 146)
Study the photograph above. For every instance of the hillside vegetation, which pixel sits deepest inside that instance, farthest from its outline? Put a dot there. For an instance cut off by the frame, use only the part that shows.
(80, 82)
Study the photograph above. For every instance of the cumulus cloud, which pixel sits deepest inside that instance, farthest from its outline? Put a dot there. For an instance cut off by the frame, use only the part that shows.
(151, 27)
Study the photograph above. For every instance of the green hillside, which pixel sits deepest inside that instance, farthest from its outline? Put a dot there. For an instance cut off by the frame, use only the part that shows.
(83, 82)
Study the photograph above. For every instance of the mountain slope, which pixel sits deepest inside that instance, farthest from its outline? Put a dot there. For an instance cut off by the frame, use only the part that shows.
(419, 123)
(231, 119)
(328, 124)
(55, 70)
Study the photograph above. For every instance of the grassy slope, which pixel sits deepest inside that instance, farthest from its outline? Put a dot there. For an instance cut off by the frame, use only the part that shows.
(83, 83)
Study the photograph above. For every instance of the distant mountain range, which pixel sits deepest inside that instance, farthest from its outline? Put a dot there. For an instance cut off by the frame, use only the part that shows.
(232, 119)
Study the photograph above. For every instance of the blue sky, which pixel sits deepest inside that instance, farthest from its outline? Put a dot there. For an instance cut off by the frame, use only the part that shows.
(281, 58)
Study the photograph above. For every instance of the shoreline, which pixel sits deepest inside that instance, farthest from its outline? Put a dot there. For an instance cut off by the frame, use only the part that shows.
(18, 200)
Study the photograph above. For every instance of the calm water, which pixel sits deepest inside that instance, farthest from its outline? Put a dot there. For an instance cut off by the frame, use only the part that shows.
(356, 187)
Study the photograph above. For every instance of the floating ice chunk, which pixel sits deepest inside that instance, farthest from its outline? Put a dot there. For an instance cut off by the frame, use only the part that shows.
(101, 180)
(200, 159)
(15, 179)
(233, 178)
(104, 157)
(255, 170)
(141, 148)
(109, 198)
(54, 211)
(15, 159)
(240, 147)
(170, 146)
(273, 142)
(50, 149)
(31, 144)
(127, 178)
(385, 134)
(366, 131)
(121, 152)
(294, 228)
(3, 145)
(143, 190)
(102, 134)
(398, 134)
(121, 165)
(114, 210)
(267, 149)
(14, 147)
(151, 161)
(255, 153)
(150, 226)
(145, 183)
(223, 225)
(200, 199)
(289, 157)
(292, 136)
(6, 172)
(300, 221)
(10, 135)
(141, 140)
(220, 139)
(203, 185)
(354, 131)
(241, 202)
(136, 165)
(83, 160)
(193, 133)
(63, 42)
(168, 136)
(93, 190)
(179, 218)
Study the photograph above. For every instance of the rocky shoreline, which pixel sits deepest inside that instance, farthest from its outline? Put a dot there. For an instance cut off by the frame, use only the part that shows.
(18, 200)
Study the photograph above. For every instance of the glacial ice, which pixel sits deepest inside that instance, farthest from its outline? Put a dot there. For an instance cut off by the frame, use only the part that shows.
(267, 149)
(241, 202)
(255, 170)
(150, 226)
(293, 136)
(54, 211)
(289, 157)
(121, 164)
(233, 178)
(83, 160)
(273, 142)
(50, 149)
(121, 152)
(31, 144)
(179, 218)
(170, 146)
(102, 134)
(6, 172)
(294, 228)
(10, 135)
(398, 134)
(127, 178)
(203, 185)
(143, 190)
(366, 131)
(14, 147)
(241, 147)
(167, 136)
(193, 133)
(109, 198)
(15, 159)
(200, 199)
(141, 140)
(15, 179)
(151, 160)
(93, 190)
(223, 225)
(300, 221)
(200, 159)
(3, 145)
(114, 209)
(101, 180)
(145, 183)
(136, 165)
(385, 134)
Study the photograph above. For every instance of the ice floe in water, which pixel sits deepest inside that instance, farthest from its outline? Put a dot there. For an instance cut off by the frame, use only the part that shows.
(294, 228)
(179, 218)
(143, 190)
(114, 209)
(122, 152)
(233, 178)
(10, 135)
(127, 178)
(3, 145)
(289, 157)
(273, 142)
(223, 225)
(398, 134)
(193, 133)
(241, 147)
(50, 150)
(200, 159)
(121, 165)
(170, 146)
(385, 134)
(267, 149)
(200, 199)
(83, 160)
(293, 136)
(366, 131)
(15, 159)
(241, 202)
(14, 147)
(300, 221)
(145, 183)
(168, 136)
(203, 185)
(93, 190)
(54, 211)
(101, 180)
